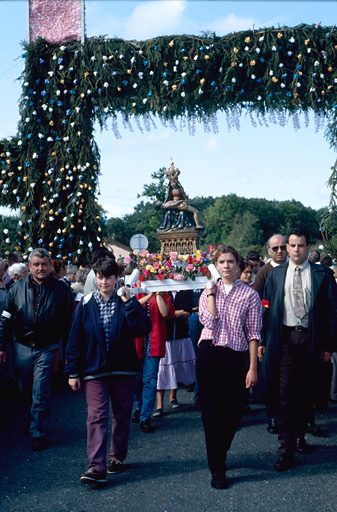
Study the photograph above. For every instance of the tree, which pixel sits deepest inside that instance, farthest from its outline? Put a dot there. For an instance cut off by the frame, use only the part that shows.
(155, 191)
(115, 228)
(294, 214)
(218, 218)
(144, 220)
(246, 233)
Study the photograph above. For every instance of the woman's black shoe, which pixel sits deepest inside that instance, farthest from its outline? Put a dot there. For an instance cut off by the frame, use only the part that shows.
(219, 481)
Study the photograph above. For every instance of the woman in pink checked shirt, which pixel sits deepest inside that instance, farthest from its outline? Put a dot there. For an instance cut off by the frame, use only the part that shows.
(232, 316)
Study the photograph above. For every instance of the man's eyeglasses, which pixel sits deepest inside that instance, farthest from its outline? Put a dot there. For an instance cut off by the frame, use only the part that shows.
(282, 247)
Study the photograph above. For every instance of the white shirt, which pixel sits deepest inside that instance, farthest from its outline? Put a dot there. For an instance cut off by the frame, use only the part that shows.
(289, 317)
(228, 287)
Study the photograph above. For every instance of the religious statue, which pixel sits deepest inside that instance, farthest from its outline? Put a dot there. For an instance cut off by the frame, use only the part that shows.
(179, 213)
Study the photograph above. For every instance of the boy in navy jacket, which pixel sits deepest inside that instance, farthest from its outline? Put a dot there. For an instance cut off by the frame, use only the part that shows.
(101, 352)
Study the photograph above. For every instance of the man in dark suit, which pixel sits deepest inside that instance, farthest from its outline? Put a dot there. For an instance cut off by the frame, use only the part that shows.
(299, 333)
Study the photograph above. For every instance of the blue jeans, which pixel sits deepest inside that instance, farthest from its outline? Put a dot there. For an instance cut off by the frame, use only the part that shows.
(34, 369)
(194, 329)
(146, 384)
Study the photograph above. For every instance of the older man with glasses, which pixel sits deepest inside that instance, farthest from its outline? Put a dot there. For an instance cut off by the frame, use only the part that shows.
(277, 250)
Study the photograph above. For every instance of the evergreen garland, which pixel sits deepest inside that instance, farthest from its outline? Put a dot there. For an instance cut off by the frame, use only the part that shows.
(50, 168)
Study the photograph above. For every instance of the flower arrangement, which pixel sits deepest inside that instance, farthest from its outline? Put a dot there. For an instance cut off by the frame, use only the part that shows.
(178, 267)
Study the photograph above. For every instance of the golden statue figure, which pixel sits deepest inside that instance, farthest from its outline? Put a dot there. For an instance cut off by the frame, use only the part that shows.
(177, 206)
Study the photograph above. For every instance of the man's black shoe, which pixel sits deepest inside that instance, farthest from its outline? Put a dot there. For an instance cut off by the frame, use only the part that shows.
(272, 426)
(314, 430)
(219, 481)
(301, 445)
(39, 444)
(146, 427)
(136, 416)
(284, 462)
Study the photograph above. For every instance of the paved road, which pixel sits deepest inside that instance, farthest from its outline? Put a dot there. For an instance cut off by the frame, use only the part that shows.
(166, 470)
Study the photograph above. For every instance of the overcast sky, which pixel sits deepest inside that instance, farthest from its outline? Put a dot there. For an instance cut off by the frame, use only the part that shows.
(273, 162)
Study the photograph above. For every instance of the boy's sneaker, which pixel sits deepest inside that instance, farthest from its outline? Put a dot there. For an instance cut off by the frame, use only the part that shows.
(115, 466)
(92, 476)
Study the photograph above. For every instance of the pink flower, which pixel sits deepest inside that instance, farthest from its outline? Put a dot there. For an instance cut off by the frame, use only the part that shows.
(146, 272)
(156, 265)
(190, 268)
(168, 265)
(127, 259)
(173, 256)
(178, 277)
(144, 253)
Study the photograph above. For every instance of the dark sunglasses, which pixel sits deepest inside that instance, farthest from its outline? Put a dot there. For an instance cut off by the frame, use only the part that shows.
(282, 247)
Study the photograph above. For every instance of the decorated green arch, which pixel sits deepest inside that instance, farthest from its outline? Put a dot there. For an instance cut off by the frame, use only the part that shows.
(50, 168)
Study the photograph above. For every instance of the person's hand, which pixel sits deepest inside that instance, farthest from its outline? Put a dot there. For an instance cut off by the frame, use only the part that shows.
(126, 295)
(75, 383)
(2, 356)
(251, 378)
(210, 286)
(260, 352)
(180, 313)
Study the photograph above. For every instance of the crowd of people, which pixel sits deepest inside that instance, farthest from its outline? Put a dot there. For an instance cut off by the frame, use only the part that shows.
(266, 329)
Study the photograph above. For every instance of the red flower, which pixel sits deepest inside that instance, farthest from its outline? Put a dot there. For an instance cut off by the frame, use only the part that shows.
(142, 278)
(160, 277)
